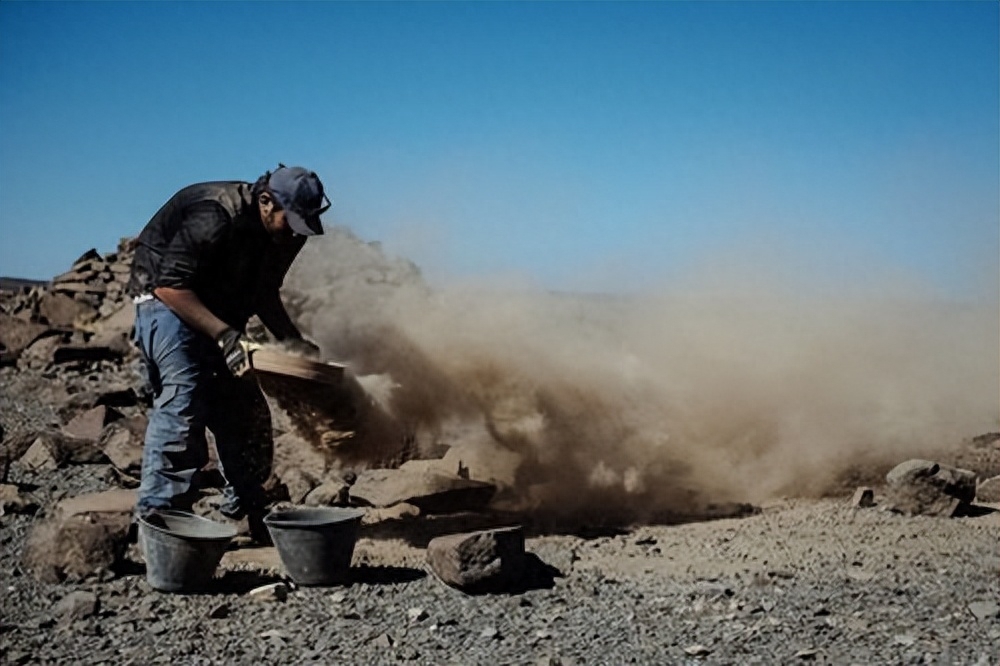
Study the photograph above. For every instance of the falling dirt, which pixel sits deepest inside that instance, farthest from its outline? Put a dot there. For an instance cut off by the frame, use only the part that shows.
(714, 388)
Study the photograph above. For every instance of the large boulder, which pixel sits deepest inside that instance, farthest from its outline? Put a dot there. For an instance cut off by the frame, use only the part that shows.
(924, 487)
(86, 538)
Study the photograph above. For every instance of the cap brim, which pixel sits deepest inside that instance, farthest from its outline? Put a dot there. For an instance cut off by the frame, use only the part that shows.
(303, 226)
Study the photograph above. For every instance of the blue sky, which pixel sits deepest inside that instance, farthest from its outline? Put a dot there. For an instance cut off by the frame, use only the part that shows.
(577, 145)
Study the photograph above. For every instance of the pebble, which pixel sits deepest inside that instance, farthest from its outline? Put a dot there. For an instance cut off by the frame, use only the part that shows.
(984, 610)
(417, 614)
(272, 592)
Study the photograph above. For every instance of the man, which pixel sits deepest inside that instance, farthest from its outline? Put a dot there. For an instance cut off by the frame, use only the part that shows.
(214, 255)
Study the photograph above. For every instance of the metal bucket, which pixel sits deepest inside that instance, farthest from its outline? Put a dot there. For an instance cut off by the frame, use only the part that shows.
(315, 544)
(182, 550)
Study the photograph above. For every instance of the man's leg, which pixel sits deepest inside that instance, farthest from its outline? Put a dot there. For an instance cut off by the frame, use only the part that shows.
(175, 447)
(241, 422)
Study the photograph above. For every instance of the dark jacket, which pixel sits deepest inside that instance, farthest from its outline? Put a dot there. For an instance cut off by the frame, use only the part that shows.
(209, 238)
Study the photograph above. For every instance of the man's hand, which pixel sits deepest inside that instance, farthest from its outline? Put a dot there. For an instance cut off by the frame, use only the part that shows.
(301, 347)
(235, 353)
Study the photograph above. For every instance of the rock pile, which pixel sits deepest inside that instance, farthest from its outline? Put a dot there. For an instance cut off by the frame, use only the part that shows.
(81, 315)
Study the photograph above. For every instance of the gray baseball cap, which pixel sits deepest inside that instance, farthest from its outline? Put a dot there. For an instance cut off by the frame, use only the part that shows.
(300, 192)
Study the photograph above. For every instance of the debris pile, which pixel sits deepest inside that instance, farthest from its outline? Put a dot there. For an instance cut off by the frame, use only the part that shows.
(81, 315)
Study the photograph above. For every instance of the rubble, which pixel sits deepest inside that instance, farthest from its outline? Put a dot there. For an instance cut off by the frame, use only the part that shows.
(923, 487)
(485, 561)
(88, 301)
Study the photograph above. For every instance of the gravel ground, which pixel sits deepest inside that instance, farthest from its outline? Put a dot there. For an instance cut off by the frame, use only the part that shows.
(803, 580)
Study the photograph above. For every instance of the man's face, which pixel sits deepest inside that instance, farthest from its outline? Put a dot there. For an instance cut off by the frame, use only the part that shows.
(273, 218)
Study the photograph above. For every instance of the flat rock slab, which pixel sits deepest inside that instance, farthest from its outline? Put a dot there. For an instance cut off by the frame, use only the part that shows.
(430, 491)
(108, 501)
(924, 487)
(486, 561)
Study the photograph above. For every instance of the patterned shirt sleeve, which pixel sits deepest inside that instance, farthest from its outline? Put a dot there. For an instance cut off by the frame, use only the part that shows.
(205, 224)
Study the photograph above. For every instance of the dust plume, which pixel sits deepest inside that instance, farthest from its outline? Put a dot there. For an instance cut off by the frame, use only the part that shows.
(711, 389)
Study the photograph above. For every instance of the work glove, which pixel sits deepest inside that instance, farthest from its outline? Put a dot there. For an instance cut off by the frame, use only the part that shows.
(234, 352)
(301, 347)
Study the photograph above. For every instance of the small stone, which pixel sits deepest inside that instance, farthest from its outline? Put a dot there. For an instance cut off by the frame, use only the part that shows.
(77, 606)
(698, 650)
(12, 501)
(905, 640)
(337, 597)
(272, 633)
(417, 614)
(864, 497)
(807, 653)
(543, 634)
(272, 592)
(490, 633)
(984, 610)
(383, 641)
(219, 612)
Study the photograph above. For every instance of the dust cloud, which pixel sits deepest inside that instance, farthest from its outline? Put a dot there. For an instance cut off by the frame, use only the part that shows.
(711, 389)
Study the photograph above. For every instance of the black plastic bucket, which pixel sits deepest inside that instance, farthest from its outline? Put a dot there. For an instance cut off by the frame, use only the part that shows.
(182, 550)
(315, 544)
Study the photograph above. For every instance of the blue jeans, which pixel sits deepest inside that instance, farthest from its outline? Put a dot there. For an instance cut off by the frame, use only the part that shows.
(192, 390)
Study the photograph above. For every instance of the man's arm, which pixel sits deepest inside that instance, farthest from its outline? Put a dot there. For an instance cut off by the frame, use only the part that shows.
(205, 225)
(186, 305)
(275, 317)
(269, 307)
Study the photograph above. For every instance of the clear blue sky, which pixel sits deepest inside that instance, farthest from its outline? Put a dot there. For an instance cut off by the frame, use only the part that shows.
(616, 141)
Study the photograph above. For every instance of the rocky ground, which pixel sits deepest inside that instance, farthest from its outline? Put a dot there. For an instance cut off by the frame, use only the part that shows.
(834, 580)
(802, 580)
